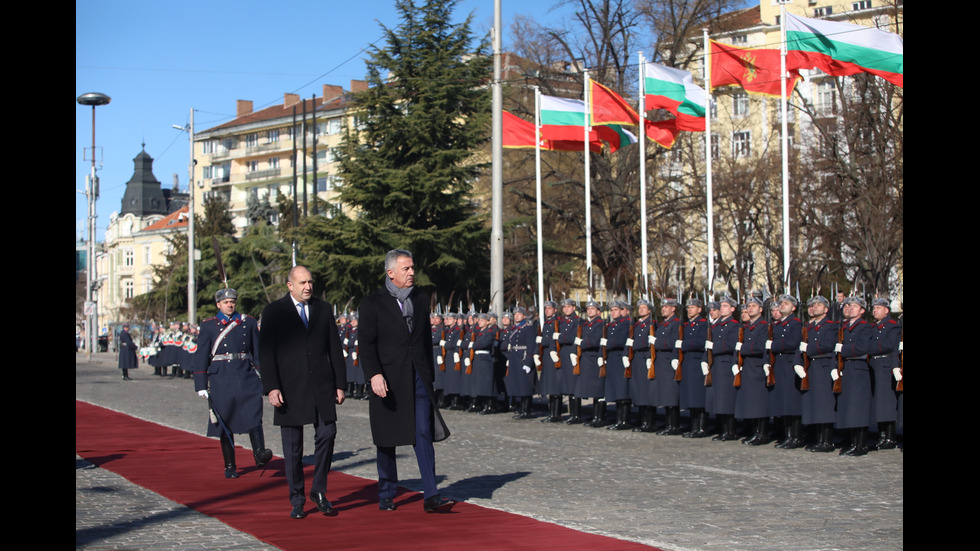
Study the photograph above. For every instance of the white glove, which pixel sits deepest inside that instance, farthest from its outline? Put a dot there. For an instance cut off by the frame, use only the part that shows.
(442, 342)
(554, 336)
(678, 343)
(439, 360)
(708, 345)
(603, 341)
(799, 371)
(537, 360)
(629, 342)
(466, 362)
(578, 341)
(353, 355)
(456, 357)
(653, 340)
(554, 356)
(674, 363)
(704, 368)
(574, 359)
(202, 393)
(901, 345)
(738, 346)
(765, 369)
(626, 362)
(600, 361)
(803, 347)
(834, 375)
(470, 345)
(735, 369)
(527, 369)
(459, 342)
(838, 348)
(345, 353)
(649, 361)
(768, 344)
(346, 341)
(537, 340)
(897, 373)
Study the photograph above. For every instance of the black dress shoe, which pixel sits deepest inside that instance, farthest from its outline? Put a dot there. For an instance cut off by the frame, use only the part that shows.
(297, 512)
(321, 502)
(262, 456)
(438, 504)
(231, 471)
(387, 504)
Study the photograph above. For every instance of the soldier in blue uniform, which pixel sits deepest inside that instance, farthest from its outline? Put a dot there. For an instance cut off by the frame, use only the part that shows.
(480, 365)
(224, 374)
(568, 331)
(618, 348)
(886, 335)
(723, 343)
(692, 389)
(640, 384)
(438, 357)
(666, 390)
(855, 410)
(588, 384)
(549, 384)
(453, 361)
(520, 347)
(355, 375)
(819, 402)
(752, 398)
(786, 399)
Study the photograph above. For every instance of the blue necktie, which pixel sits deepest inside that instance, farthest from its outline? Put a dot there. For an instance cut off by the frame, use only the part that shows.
(302, 315)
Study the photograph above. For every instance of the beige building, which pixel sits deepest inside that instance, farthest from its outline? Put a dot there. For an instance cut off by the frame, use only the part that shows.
(250, 159)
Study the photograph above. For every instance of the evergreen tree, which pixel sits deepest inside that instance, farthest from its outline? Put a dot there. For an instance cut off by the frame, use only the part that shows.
(408, 165)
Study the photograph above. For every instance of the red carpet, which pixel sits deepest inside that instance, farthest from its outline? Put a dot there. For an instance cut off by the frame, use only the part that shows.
(152, 455)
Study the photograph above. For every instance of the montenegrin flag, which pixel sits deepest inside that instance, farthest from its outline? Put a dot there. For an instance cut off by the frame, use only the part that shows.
(755, 70)
(608, 107)
(674, 90)
(842, 49)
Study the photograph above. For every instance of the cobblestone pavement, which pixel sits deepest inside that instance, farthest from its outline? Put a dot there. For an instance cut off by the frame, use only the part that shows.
(670, 492)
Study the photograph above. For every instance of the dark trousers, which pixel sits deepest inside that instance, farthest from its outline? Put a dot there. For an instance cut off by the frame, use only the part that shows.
(424, 452)
(292, 448)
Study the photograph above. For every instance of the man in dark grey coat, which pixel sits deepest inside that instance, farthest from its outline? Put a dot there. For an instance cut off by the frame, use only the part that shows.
(396, 355)
(303, 374)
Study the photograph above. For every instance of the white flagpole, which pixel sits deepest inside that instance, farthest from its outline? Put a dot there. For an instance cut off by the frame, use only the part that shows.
(537, 175)
(785, 143)
(588, 183)
(643, 180)
(707, 162)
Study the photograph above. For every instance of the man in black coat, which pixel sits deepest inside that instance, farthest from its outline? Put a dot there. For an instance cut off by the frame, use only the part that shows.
(303, 374)
(127, 353)
(396, 355)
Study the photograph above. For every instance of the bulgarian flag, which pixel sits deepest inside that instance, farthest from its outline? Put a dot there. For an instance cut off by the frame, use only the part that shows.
(674, 90)
(842, 49)
(519, 133)
(615, 136)
(564, 119)
(756, 70)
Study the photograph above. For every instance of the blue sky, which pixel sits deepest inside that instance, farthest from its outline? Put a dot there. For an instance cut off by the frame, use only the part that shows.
(157, 60)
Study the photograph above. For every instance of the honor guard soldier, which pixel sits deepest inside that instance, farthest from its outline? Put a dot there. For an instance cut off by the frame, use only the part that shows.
(480, 366)
(640, 385)
(520, 347)
(819, 402)
(665, 388)
(692, 389)
(752, 398)
(453, 360)
(724, 361)
(588, 383)
(886, 335)
(224, 373)
(438, 357)
(854, 405)
(549, 385)
(354, 371)
(568, 356)
(786, 400)
(617, 352)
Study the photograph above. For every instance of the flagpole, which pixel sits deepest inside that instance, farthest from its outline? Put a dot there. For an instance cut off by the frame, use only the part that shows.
(785, 143)
(707, 161)
(537, 177)
(643, 182)
(588, 183)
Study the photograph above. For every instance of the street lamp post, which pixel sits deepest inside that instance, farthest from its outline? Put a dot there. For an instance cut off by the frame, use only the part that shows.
(191, 282)
(91, 192)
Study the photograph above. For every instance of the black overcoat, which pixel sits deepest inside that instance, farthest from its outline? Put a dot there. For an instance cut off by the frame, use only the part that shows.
(305, 365)
(389, 348)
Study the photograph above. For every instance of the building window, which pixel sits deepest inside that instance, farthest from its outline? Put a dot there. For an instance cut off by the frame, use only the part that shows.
(334, 126)
(740, 39)
(274, 163)
(741, 143)
(334, 210)
(715, 146)
(323, 184)
(272, 136)
(251, 166)
(251, 140)
(129, 258)
(207, 147)
(825, 98)
(861, 5)
(128, 289)
(713, 105)
(823, 12)
(207, 172)
(740, 104)
(146, 255)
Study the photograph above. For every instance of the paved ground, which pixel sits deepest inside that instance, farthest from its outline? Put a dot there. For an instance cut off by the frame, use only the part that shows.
(670, 492)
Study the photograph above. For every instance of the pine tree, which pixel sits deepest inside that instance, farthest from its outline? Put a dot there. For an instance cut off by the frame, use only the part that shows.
(408, 165)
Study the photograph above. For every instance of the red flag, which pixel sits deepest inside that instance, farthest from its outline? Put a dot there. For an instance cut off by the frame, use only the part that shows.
(608, 107)
(754, 69)
(663, 132)
(519, 133)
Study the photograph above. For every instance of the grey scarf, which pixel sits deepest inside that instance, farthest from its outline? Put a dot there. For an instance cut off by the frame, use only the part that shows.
(401, 295)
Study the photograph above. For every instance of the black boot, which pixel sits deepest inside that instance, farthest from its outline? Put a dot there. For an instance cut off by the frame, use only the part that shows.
(574, 411)
(794, 432)
(824, 440)
(647, 414)
(699, 421)
(762, 433)
(228, 453)
(554, 409)
(887, 439)
(598, 413)
(673, 418)
(524, 409)
(261, 454)
(858, 445)
(456, 403)
(489, 405)
(623, 408)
